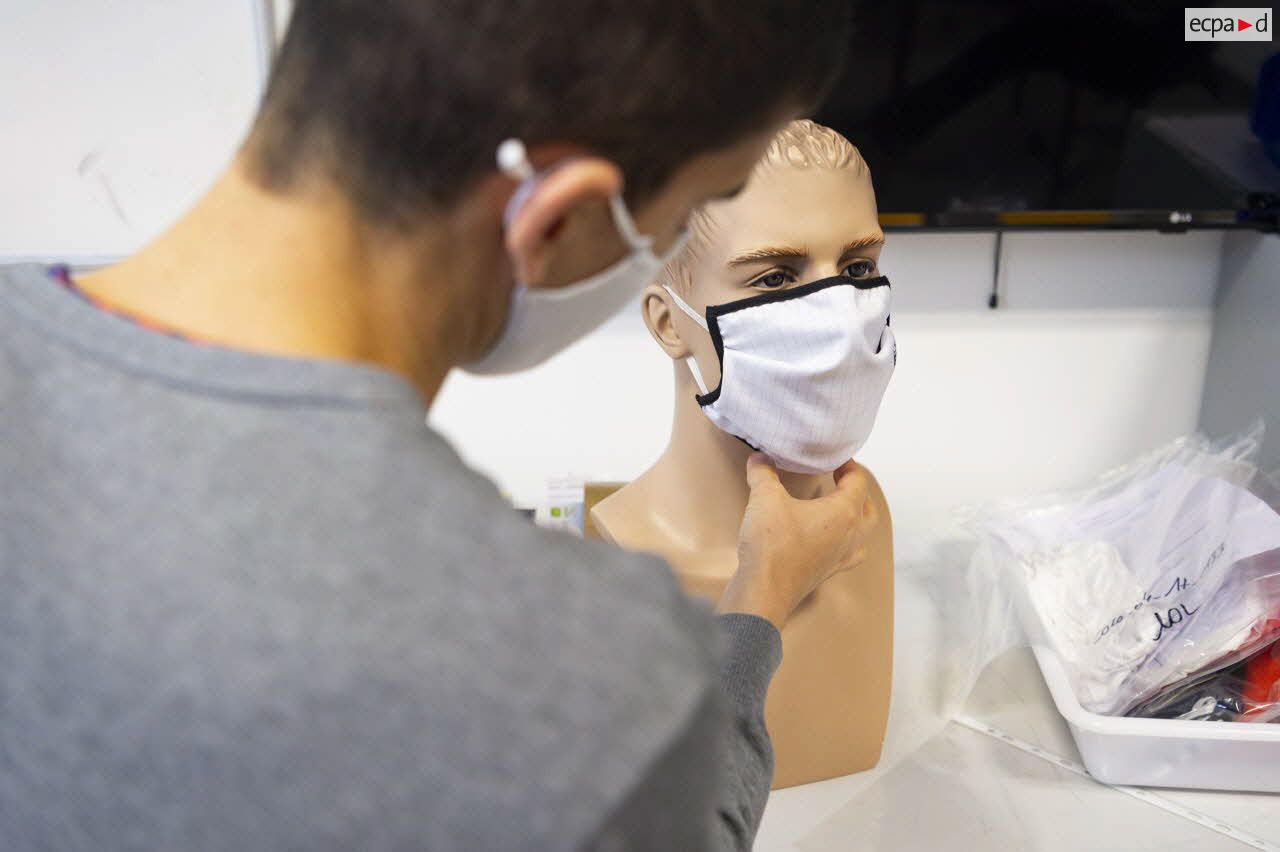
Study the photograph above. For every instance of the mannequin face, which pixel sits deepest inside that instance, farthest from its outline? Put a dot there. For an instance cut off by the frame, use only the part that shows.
(788, 227)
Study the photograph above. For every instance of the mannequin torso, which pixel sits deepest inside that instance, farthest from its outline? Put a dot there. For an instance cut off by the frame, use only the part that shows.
(829, 702)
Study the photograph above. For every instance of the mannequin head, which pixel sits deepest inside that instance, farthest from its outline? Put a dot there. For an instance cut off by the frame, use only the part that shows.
(808, 212)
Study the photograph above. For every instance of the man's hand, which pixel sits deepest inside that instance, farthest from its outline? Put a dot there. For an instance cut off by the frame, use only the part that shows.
(788, 547)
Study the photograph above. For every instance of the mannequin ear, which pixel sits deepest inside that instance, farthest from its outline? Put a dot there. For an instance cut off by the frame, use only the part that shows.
(659, 313)
(536, 225)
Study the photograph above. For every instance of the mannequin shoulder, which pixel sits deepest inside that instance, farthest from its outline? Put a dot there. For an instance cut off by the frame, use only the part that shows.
(626, 518)
(608, 517)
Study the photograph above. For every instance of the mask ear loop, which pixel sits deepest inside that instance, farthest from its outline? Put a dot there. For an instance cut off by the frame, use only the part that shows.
(513, 161)
(627, 226)
(690, 361)
(639, 242)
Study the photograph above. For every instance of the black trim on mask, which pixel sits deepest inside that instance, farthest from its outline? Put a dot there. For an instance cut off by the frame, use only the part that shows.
(714, 312)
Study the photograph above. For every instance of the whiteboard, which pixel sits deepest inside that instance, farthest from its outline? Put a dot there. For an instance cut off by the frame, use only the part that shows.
(117, 114)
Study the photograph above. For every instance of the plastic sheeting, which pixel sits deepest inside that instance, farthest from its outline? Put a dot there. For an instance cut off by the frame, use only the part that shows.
(1167, 568)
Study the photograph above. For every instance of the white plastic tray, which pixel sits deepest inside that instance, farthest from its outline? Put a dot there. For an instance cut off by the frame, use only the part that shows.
(1166, 752)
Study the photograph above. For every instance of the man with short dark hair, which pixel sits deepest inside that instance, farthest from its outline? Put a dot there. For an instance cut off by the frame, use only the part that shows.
(251, 600)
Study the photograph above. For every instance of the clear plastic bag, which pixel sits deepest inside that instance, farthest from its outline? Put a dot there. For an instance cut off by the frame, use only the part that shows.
(1168, 568)
(1246, 691)
(1262, 686)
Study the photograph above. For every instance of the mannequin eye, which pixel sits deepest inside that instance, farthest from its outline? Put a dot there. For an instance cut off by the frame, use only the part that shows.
(860, 268)
(772, 280)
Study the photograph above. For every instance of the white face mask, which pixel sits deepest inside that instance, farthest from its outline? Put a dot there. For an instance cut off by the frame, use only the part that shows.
(543, 321)
(802, 371)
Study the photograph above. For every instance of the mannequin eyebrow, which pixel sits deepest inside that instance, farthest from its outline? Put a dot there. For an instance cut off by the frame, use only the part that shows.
(774, 253)
(769, 253)
(869, 241)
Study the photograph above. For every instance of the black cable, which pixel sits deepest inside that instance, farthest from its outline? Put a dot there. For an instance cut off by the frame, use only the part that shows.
(993, 301)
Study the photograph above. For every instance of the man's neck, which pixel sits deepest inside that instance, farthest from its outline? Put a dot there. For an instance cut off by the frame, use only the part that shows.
(700, 480)
(294, 275)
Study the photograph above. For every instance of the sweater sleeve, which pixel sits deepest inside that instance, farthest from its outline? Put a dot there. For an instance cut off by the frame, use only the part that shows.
(751, 653)
(708, 789)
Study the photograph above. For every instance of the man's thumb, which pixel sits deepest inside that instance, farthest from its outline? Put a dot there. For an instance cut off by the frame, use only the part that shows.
(761, 474)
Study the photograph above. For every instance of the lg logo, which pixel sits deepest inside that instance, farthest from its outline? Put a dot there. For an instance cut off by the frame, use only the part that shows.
(1227, 24)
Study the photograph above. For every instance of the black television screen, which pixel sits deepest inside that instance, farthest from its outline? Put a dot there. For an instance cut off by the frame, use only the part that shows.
(1001, 111)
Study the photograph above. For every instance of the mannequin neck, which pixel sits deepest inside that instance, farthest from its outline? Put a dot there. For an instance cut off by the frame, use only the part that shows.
(700, 480)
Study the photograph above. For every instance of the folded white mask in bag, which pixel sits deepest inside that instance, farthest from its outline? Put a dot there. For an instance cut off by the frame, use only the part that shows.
(1176, 573)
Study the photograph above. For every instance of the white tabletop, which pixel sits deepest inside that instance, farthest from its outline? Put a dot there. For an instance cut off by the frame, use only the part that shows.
(945, 786)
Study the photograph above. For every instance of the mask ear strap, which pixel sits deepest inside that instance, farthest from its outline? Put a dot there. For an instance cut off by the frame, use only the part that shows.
(690, 362)
(513, 161)
(684, 306)
(627, 226)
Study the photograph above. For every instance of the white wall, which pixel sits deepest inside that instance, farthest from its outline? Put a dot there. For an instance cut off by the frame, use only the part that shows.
(1243, 379)
(1098, 352)
(119, 111)
(117, 114)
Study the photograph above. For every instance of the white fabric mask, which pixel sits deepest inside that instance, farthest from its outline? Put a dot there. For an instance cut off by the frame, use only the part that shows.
(543, 321)
(802, 371)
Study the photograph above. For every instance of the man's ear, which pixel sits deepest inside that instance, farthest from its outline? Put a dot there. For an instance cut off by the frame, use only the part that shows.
(532, 231)
(659, 312)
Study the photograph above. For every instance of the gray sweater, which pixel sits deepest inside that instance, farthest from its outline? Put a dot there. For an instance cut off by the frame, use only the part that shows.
(251, 602)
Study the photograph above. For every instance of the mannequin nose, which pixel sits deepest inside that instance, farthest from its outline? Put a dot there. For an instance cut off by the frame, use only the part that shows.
(822, 271)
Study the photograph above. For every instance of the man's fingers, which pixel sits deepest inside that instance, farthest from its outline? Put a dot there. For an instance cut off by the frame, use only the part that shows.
(851, 486)
(760, 473)
(844, 470)
(856, 560)
(851, 477)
